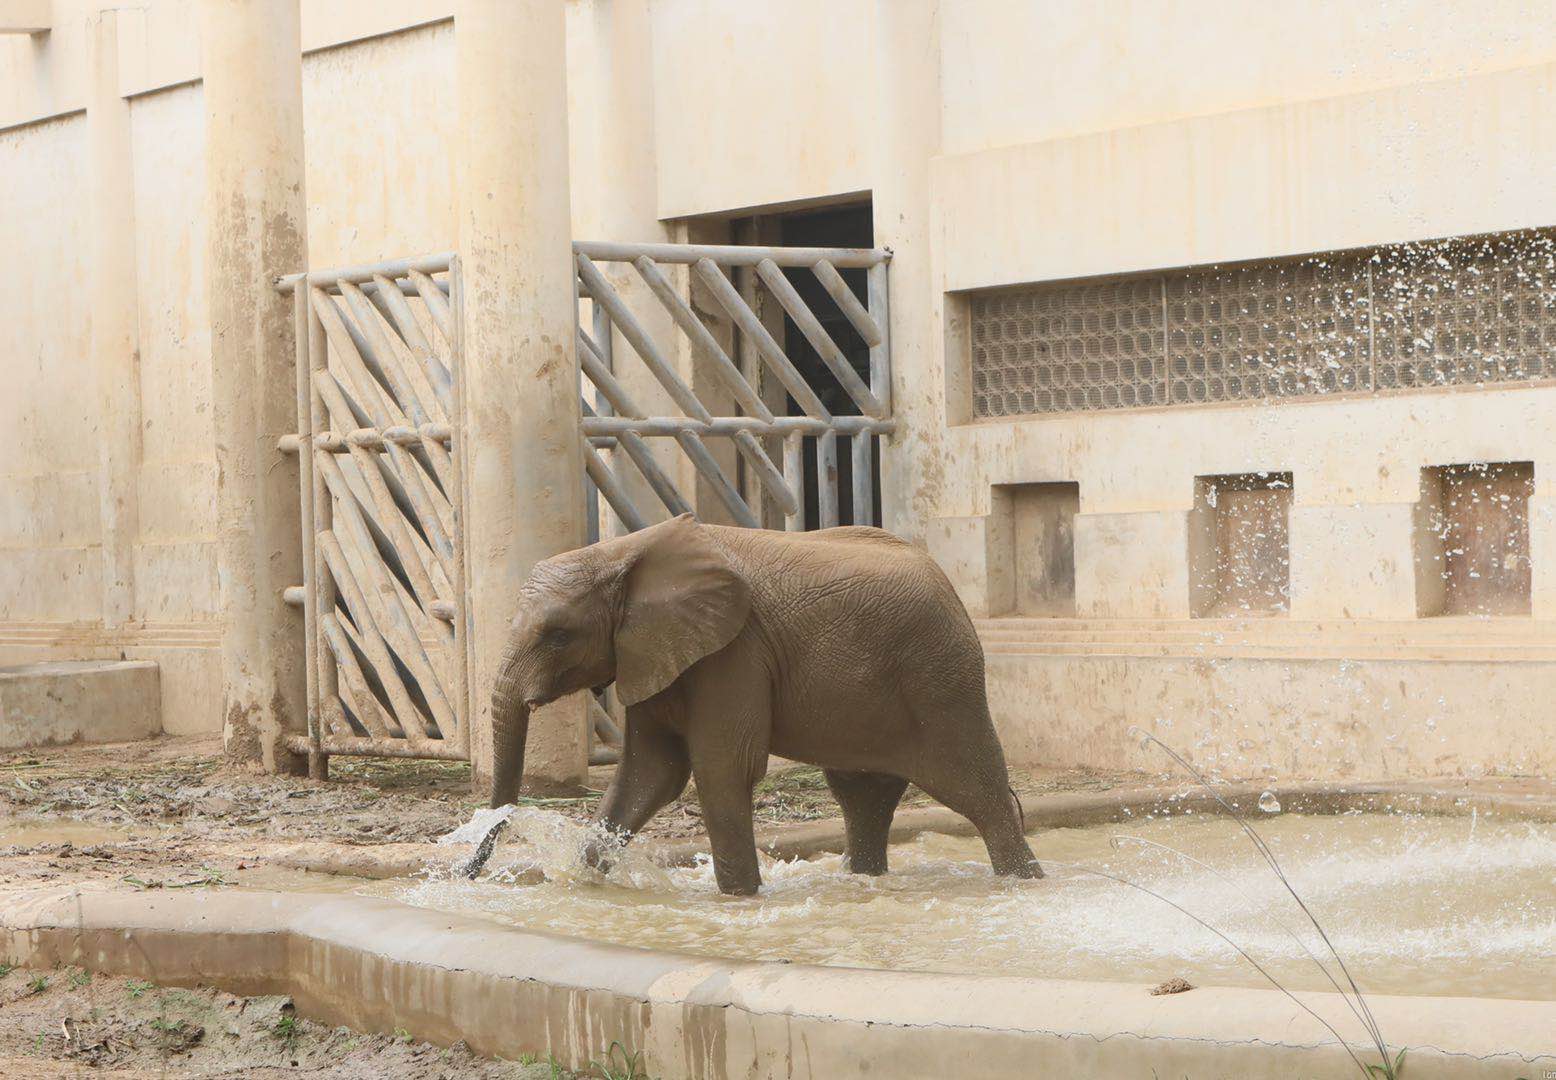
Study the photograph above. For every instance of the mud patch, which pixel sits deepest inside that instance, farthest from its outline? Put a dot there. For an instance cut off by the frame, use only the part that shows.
(69, 1023)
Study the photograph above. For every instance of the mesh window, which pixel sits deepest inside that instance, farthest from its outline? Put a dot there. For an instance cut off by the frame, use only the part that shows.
(1443, 313)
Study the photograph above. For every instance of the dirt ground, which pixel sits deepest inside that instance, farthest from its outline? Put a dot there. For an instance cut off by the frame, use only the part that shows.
(175, 815)
(70, 1023)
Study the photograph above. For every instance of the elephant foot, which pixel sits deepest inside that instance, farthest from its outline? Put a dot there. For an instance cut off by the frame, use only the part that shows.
(1025, 867)
(867, 865)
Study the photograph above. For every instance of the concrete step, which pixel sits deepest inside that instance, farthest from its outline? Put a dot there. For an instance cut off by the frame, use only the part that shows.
(1239, 639)
(51, 704)
(1477, 629)
(1449, 638)
(1339, 650)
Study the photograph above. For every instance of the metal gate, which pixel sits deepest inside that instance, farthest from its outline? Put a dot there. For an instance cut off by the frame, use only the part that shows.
(734, 284)
(378, 362)
(379, 402)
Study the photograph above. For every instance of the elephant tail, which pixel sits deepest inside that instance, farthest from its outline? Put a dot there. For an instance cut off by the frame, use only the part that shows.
(1021, 812)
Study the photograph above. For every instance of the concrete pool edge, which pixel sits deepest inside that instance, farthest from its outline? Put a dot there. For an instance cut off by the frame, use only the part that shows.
(379, 965)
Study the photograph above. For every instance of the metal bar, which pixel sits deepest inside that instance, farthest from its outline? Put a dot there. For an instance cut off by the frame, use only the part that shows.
(730, 254)
(363, 703)
(772, 480)
(880, 352)
(826, 480)
(602, 290)
(432, 750)
(729, 425)
(337, 442)
(390, 616)
(609, 487)
(379, 349)
(819, 339)
(379, 397)
(391, 521)
(438, 378)
(603, 344)
(369, 391)
(793, 472)
(454, 333)
(769, 349)
(644, 459)
(709, 467)
(322, 593)
(373, 642)
(395, 268)
(317, 763)
(700, 337)
(863, 478)
(335, 402)
(438, 305)
(604, 725)
(604, 380)
(847, 302)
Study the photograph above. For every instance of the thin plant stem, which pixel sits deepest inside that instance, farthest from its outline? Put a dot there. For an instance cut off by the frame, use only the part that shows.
(1249, 900)
(1220, 934)
(1370, 1022)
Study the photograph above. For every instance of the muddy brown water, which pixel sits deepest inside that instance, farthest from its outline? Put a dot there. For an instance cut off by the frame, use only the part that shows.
(33, 832)
(1415, 904)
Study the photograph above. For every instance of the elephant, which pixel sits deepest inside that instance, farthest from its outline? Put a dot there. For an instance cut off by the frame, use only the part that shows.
(845, 648)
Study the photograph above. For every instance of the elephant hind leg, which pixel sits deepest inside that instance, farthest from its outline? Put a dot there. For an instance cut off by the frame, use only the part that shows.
(969, 777)
(868, 801)
(996, 815)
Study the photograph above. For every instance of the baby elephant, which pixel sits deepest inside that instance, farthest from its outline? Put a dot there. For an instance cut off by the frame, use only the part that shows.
(844, 648)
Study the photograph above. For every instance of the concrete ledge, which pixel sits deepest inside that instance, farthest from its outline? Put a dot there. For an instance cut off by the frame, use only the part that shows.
(50, 704)
(378, 965)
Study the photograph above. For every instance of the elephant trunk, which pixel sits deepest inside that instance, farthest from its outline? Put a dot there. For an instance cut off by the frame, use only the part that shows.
(510, 730)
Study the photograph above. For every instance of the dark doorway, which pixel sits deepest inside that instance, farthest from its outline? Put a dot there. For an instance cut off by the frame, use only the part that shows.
(846, 227)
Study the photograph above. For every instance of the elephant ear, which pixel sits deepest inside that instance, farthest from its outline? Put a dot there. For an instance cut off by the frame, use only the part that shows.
(682, 601)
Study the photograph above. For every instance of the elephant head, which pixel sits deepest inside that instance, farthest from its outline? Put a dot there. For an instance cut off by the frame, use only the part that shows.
(637, 610)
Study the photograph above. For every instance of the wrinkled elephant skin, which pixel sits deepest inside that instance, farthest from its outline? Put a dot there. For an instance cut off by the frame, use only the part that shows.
(844, 648)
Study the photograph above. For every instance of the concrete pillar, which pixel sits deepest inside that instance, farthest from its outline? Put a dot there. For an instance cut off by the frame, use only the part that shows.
(610, 49)
(907, 117)
(115, 316)
(522, 458)
(256, 229)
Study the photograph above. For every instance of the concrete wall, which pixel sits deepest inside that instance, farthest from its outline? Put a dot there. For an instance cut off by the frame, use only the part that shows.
(378, 86)
(1002, 141)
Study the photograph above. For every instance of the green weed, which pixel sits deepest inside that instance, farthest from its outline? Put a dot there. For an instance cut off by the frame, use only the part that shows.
(630, 1066)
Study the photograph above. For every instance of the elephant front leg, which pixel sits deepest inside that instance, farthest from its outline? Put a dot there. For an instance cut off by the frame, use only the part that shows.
(653, 772)
(728, 730)
(725, 795)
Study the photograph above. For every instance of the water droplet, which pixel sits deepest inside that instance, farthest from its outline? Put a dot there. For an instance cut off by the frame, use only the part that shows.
(1269, 803)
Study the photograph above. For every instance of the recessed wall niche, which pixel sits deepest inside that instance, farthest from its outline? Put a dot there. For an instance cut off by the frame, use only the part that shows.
(1239, 545)
(1472, 539)
(1032, 554)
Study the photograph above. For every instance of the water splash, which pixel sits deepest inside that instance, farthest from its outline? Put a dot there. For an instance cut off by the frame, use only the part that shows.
(1419, 903)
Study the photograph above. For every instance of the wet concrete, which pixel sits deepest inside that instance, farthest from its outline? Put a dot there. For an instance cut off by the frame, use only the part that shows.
(378, 966)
